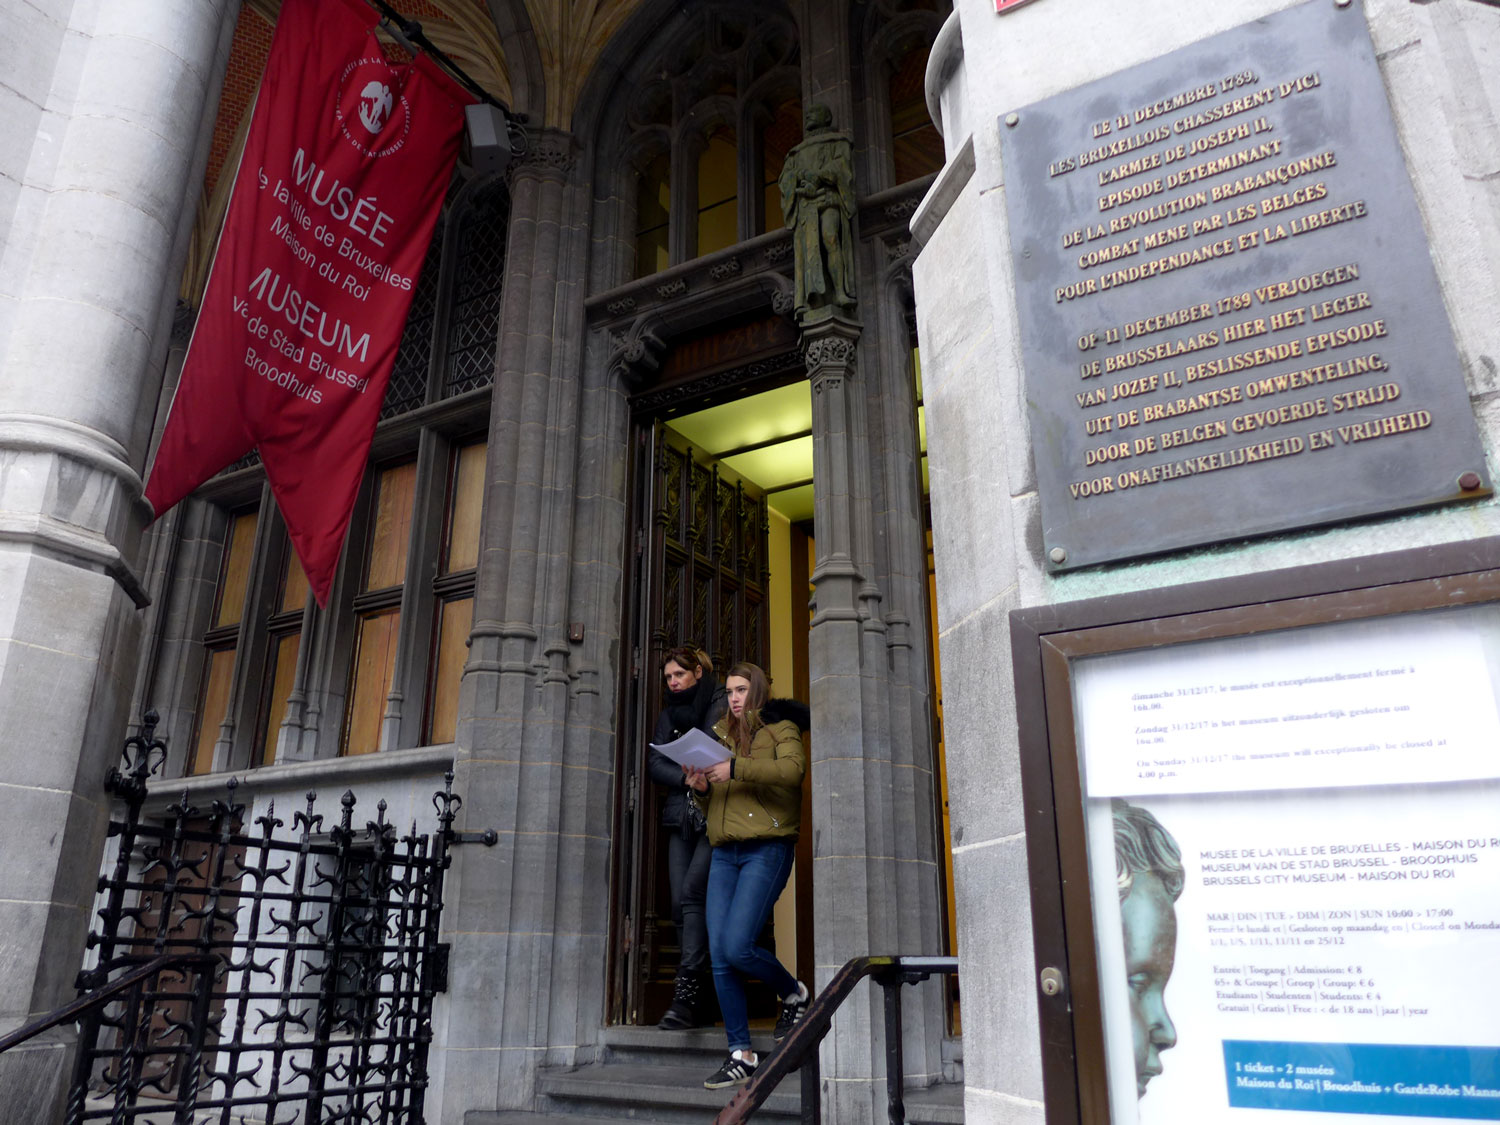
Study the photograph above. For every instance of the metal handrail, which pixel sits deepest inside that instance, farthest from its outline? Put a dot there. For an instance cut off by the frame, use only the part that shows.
(800, 1048)
(104, 994)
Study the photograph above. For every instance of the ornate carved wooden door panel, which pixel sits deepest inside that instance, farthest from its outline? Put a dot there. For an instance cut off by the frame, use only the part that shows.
(700, 577)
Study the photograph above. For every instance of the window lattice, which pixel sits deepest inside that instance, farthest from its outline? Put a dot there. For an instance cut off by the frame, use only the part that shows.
(408, 386)
(476, 297)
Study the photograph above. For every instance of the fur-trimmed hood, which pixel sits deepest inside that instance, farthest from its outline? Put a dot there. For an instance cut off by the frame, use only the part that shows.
(786, 710)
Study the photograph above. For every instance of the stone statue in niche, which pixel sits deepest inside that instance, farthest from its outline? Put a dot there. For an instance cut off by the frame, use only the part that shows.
(817, 201)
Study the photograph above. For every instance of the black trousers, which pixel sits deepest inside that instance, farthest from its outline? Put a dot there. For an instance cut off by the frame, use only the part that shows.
(687, 870)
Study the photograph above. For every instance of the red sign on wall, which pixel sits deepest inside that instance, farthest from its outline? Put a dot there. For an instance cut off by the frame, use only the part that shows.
(1003, 6)
(346, 164)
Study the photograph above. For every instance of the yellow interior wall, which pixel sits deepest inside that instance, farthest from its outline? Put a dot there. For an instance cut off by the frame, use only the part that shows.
(779, 595)
(942, 758)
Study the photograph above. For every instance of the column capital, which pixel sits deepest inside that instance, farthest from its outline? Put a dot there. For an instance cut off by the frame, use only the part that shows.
(828, 346)
(550, 154)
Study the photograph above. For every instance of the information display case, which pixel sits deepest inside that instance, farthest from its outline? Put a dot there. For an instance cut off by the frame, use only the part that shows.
(1275, 888)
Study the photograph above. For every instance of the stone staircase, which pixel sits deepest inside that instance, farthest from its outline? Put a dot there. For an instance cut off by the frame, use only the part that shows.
(651, 1075)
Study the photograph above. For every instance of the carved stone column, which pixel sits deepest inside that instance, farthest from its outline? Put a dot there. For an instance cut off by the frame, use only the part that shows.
(526, 919)
(843, 698)
(107, 131)
(874, 873)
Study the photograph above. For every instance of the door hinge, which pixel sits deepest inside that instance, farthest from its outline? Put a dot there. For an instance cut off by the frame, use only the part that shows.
(631, 789)
(439, 962)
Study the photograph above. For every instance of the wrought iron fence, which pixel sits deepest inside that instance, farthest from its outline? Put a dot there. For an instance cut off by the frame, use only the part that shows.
(306, 963)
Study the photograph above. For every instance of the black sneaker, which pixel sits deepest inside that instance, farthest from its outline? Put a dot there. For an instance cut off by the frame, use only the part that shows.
(792, 1010)
(733, 1072)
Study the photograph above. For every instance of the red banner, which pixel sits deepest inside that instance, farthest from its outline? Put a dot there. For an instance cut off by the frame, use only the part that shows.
(346, 165)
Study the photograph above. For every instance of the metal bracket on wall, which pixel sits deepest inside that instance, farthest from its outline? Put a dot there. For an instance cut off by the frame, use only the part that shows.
(489, 838)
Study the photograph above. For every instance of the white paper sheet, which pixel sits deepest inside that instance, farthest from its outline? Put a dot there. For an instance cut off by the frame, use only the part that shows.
(695, 750)
(1388, 702)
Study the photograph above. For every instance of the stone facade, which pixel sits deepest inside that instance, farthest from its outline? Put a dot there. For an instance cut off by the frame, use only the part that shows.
(110, 126)
(986, 517)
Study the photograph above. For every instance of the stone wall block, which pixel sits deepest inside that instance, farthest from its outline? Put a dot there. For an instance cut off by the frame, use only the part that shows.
(122, 162)
(87, 361)
(34, 821)
(833, 650)
(960, 382)
(34, 1077)
(981, 735)
(996, 963)
(495, 737)
(470, 1077)
(579, 904)
(580, 786)
(27, 61)
(35, 728)
(98, 245)
(28, 65)
(1447, 118)
(484, 903)
(189, 27)
(24, 926)
(80, 504)
(843, 912)
(136, 90)
(532, 857)
(575, 1014)
(480, 964)
(838, 800)
(916, 817)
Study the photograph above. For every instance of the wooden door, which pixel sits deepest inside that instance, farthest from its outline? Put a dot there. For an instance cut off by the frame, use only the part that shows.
(699, 576)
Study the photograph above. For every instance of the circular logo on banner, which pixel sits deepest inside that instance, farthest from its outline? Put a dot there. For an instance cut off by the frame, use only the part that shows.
(372, 115)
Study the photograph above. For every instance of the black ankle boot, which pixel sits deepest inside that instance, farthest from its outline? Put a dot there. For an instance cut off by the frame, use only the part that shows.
(706, 1004)
(683, 1013)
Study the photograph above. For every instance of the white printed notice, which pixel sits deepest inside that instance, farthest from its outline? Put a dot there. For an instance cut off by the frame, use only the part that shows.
(1380, 706)
(1295, 861)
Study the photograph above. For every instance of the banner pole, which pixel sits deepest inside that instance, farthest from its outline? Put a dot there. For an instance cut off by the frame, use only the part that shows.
(410, 35)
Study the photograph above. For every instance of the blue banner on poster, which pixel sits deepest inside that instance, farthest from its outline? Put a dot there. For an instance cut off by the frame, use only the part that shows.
(1388, 1079)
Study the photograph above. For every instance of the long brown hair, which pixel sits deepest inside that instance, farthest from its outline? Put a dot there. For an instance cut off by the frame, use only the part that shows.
(739, 729)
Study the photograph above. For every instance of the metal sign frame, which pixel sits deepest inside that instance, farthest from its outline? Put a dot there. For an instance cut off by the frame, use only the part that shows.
(1045, 640)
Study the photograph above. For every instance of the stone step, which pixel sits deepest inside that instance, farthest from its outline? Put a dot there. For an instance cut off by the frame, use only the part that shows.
(671, 1092)
(935, 1105)
(703, 1046)
(654, 1092)
(522, 1117)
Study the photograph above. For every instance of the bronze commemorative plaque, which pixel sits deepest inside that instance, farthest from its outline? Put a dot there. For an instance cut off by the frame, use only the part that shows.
(1230, 321)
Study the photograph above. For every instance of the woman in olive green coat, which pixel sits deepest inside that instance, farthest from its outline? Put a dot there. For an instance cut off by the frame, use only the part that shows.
(753, 807)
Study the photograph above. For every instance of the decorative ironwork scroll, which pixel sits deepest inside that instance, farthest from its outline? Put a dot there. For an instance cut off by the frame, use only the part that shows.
(313, 962)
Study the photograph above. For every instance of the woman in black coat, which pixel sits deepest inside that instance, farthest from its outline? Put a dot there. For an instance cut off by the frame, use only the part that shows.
(693, 699)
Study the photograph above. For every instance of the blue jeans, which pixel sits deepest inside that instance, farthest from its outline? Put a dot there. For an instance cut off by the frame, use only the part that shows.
(744, 881)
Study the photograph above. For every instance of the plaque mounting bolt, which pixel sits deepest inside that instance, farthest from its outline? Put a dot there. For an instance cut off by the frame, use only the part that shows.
(1340, 3)
(1469, 481)
(1058, 555)
(1014, 119)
